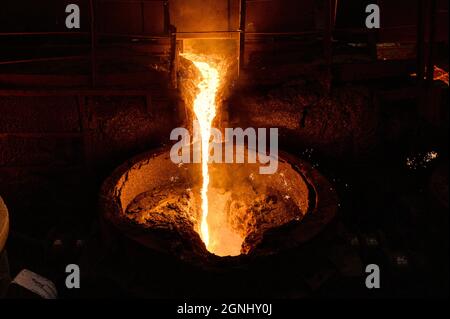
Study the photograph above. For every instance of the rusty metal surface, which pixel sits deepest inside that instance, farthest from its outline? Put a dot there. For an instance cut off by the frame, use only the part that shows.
(4, 224)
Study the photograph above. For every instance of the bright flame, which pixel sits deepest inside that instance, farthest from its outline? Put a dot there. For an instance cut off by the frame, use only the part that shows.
(205, 111)
(439, 75)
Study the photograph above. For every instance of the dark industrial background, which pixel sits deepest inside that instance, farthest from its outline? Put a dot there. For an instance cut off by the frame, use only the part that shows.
(75, 104)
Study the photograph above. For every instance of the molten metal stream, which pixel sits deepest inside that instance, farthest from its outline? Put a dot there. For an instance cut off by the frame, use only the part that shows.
(205, 111)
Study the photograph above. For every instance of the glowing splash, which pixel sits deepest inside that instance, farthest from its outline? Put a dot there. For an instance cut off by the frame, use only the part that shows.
(205, 111)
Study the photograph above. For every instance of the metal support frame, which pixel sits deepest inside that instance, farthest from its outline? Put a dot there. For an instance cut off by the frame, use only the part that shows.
(93, 44)
(242, 23)
(421, 23)
(93, 35)
(426, 21)
(330, 16)
(431, 41)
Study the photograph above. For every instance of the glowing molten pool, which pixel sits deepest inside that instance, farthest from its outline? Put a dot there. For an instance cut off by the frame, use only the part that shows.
(158, 204)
